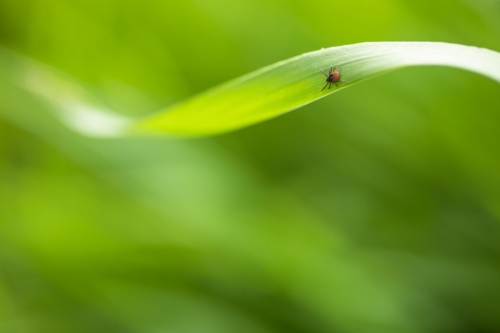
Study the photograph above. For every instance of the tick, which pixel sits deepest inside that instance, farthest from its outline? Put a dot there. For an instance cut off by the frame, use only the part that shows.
(332, 77)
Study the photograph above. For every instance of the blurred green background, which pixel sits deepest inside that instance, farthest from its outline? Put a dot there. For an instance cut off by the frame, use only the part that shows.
(376, 209)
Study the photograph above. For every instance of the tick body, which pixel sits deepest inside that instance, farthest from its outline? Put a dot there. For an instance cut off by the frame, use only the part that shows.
(332, 77)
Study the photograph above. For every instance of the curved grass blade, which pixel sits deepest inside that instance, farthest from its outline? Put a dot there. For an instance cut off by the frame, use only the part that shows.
(250, 99)
(295, 82)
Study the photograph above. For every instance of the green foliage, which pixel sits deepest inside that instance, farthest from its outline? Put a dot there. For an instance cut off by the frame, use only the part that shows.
(375, 210)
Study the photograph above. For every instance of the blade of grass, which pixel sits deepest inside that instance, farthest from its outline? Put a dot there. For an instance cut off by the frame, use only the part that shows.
(265, 93)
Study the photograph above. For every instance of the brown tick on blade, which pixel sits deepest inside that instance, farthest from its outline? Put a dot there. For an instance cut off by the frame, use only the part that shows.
(332, 77)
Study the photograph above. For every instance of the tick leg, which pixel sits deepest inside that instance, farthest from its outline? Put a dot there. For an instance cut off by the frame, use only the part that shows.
(323, 73)
(335, 69)
(336, 85)
(324, 86)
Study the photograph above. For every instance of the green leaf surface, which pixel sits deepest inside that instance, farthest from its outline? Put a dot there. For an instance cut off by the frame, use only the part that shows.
(257, 96)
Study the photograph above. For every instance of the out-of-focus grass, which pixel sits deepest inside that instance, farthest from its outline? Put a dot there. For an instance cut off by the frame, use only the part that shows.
(374, 210)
